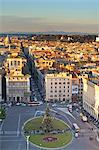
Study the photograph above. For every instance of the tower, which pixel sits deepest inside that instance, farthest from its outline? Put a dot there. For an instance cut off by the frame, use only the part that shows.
(7, 42)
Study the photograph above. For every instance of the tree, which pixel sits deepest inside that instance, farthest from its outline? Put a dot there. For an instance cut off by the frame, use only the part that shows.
(47, 123)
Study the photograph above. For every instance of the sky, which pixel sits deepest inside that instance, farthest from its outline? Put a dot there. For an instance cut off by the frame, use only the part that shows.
(49, 15)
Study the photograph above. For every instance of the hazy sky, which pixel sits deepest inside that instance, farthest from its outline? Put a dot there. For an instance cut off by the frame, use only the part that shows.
(49, 15)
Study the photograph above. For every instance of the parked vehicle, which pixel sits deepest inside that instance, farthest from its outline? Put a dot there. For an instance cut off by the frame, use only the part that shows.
(35, 103)
(76, 134)
(69, 106)
(76, 127)
(84, 118)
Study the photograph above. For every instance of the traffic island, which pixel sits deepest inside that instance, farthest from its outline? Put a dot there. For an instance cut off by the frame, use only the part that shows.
(48, 132)
(59, 137)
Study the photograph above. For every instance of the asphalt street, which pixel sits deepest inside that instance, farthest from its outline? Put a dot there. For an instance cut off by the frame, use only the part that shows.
(12, 136)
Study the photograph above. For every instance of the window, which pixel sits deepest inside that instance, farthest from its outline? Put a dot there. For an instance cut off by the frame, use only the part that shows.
(55, 91)
(63, 82)
(59, 82)
(64, 86)
(59, 91)
(51, 87)
(11, 63)
(64, 95)
(55, 87)
(55, 95)
(68, 82)
(51, 91)
(51, 83)
(15, 63)
(55, 82)
(51, 95)
(18, 62)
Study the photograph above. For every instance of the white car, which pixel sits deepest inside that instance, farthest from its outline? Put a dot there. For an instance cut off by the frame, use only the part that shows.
(23, 104)
(17, 104)
(54, 105)
(76, 135)
(40, 102)
(0, 120)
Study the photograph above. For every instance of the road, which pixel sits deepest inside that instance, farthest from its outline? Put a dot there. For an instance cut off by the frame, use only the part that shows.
(12, 136)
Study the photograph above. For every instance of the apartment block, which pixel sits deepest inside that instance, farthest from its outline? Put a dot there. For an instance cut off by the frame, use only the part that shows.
(91, 98)
(58, 87)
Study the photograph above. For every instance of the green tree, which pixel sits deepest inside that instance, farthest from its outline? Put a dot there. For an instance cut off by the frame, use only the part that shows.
(47, 123)
(2, 113)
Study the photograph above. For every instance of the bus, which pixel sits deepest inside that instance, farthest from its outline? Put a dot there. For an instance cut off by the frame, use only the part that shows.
(35, 103)
(76, 127)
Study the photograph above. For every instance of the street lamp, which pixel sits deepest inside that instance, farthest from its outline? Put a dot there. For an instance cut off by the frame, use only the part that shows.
(27, 142)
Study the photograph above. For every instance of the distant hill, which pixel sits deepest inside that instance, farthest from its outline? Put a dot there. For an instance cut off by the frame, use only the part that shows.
(51, 32)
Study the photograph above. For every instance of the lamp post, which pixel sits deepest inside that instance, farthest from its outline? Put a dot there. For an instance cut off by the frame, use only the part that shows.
(27, 142)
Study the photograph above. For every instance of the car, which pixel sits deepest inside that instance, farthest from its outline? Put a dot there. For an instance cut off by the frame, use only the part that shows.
(63, 102)
(97, 125)
(54, 105)
(9, 105)
(18, 104)
(23, 104)
(76, 135)
(0, 120)
(77, 109)
(84, 118)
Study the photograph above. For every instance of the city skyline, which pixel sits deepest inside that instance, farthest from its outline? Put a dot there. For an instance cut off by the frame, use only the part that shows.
(50, 15)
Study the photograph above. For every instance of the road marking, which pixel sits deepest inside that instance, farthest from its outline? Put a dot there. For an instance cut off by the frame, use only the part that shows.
(5, 136)
(68, 120)
(18, 128)
(2, 125)
(63, 114)
(11, 140)
(65, 110)
(35, 114)
(19, 146)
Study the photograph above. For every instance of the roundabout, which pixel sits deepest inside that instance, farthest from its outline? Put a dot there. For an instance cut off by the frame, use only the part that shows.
(48, 132)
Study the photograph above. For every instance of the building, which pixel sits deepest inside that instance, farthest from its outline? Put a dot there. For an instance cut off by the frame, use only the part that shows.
(58, 87)
(44, 63)
(17, 87)
(0, 88)
(14, 62)
(97, 39)
(75, 89)
(91, 98)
